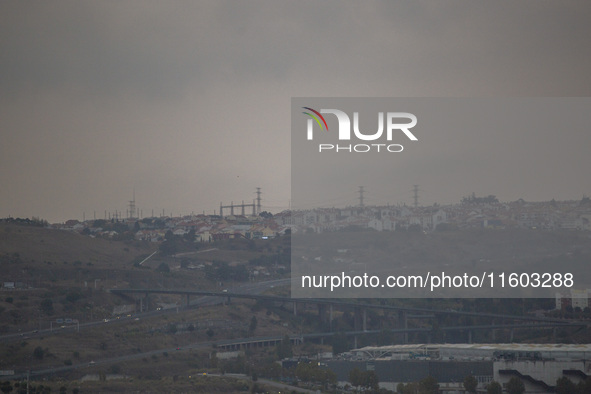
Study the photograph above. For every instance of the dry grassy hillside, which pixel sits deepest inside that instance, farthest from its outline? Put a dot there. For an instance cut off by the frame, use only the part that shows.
(35, 244)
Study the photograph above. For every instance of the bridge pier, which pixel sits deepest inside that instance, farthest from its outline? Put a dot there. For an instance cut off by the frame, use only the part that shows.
(404, 319)
(360, 319)
(330, 318)
(322, 312)
(325, 315)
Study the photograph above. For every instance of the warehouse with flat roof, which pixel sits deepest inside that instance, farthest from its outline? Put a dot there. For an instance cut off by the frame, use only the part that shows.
(537, 365)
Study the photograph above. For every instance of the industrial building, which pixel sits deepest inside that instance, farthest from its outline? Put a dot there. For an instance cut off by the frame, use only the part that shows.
(537, 365)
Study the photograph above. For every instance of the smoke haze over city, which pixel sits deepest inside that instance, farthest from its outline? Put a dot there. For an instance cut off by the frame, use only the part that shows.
(188, 103)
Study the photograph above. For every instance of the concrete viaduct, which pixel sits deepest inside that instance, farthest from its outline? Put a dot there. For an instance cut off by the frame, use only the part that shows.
(326, 307)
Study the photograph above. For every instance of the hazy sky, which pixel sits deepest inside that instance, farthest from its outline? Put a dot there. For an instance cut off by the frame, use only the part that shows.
(188, 102)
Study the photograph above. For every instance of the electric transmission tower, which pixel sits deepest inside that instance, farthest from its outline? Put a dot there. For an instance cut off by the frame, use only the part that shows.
(361, 191)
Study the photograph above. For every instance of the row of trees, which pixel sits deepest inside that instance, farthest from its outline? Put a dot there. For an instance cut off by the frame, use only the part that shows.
(312, 372)
(471, 384)
(515, 386)
(429, 385)
(34, 221)
(365, 379)
(222, 271)
(565, 386)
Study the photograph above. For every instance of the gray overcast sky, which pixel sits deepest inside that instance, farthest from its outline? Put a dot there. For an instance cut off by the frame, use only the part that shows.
(188, 102)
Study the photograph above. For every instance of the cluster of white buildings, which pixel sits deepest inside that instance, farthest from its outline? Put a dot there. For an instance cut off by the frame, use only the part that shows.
(552, 215)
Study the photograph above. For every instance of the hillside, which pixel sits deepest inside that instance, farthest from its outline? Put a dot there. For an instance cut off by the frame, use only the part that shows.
(35, 244)
(60, 275)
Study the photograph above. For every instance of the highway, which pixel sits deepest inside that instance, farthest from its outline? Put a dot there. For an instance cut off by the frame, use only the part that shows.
(247, 289)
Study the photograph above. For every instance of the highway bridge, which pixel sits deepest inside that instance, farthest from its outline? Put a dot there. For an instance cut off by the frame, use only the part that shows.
(326, 307)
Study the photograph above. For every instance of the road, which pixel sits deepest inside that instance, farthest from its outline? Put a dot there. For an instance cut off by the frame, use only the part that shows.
(250, 288)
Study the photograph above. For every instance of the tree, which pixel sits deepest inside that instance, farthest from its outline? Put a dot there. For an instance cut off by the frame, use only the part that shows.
(39, 353)
(429, 385)
(168, 247)
(356, 377)
(494, 388)
(400, 388)
(565, 386)
(327, 376)
(304, 372)
(99, 223)
(515, 386)
(172, 328)
(339, 343)
(190, 236)
(185, 263)
(470, 384)
(368, 379)
(371, 380)
(272, 370)
(584, 386)
(253, 325)
(73, 296)
(410, 388)
(266, 214)
(6, 387)
(163, 267)
(47, 306)
(284, 348)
